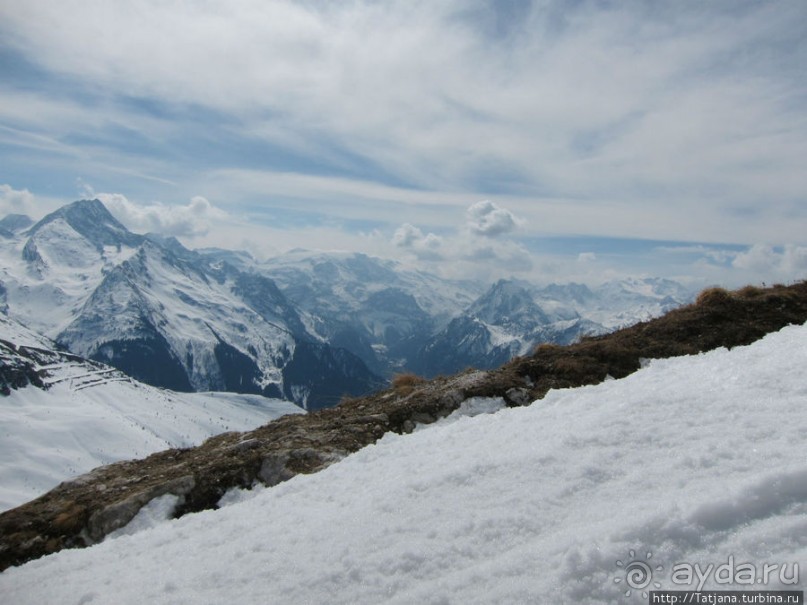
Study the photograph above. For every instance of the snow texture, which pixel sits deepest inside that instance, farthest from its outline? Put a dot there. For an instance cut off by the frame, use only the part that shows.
(695, 459)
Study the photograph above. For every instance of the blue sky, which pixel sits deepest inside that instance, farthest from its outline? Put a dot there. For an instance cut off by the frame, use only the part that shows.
(546, 139)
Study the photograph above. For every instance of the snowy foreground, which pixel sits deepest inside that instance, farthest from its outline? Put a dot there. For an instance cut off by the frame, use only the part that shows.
(697, 461)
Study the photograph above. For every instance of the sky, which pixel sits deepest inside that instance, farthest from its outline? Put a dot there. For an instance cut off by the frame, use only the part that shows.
(552, 140)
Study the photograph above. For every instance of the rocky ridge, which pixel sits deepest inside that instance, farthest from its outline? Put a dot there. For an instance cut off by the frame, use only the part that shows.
(83, 511)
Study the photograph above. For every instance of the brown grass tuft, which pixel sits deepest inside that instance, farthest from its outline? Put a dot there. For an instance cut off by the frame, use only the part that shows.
(750, 292)
(713, 296)
(405, 383)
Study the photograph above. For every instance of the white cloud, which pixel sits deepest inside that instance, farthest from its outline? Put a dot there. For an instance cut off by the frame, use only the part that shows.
(758, 258)
(586, 257)
(474, 248)
(794, 260)
(13, 201)
(411, 238)
(190, 221)
(789, 262)
(488, 219)
(581, 101)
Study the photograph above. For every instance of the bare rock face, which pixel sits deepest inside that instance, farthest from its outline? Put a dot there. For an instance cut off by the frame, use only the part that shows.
(83, 511)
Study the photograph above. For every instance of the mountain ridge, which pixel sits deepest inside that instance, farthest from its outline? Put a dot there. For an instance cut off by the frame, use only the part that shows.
(80, 277)
(166, 315)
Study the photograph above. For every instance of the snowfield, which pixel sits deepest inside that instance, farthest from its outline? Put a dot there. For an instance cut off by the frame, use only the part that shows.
(690, 461)
(90, 417)
(47, 437)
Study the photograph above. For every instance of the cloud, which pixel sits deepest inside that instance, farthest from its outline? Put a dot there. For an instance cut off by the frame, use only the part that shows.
(13, 201)
(190, 221)
(487, 219)
(568, 99)
(426, 247)
(473, 248)
(790, 261)
(586, 257)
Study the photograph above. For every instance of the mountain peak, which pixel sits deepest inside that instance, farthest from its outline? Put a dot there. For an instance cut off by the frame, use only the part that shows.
(92, 220)
(15, 222)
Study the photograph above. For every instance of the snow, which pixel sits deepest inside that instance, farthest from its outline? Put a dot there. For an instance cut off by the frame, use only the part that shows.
(700, 460)
(91, 416)
(47, 437)
(46, 297)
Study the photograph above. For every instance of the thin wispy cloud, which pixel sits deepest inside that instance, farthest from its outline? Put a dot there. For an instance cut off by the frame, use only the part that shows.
(681, 121)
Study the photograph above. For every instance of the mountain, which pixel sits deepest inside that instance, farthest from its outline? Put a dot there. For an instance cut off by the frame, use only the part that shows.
(375, 308)
(397, 320)
(514, 316)
(697, 459)
(307, 326)
(168, 316)
(13, 223)
(62, 415)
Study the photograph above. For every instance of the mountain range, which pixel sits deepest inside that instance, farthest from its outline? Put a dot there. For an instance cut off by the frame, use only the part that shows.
(166, 315)
(305, 326)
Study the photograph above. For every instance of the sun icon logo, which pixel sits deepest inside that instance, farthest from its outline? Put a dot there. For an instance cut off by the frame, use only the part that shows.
(637, 573)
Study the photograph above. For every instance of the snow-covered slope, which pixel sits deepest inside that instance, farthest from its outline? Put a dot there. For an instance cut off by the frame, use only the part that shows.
(90, 414)
(689, 461)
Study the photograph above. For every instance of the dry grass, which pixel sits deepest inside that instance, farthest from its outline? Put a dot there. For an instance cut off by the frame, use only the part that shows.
(346, 399)
(712, 296)
(718, 318)
(545, 347)
(750, 292)
(405, 383)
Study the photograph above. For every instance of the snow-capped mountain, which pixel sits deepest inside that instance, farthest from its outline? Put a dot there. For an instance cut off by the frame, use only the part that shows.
(514, 316)
(62, 415)
(306, 326)
(396, 319)
(13, 223)
(372, 307)
(167, 315)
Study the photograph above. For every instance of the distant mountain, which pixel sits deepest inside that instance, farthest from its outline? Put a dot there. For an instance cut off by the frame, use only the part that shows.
(14, 223)
(513, 316)
(169, 316)
(62, 415)
(374, 308)
(398, 320)
(307, 326)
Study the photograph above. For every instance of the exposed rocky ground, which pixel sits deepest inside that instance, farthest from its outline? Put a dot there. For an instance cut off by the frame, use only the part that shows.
(83, 511)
